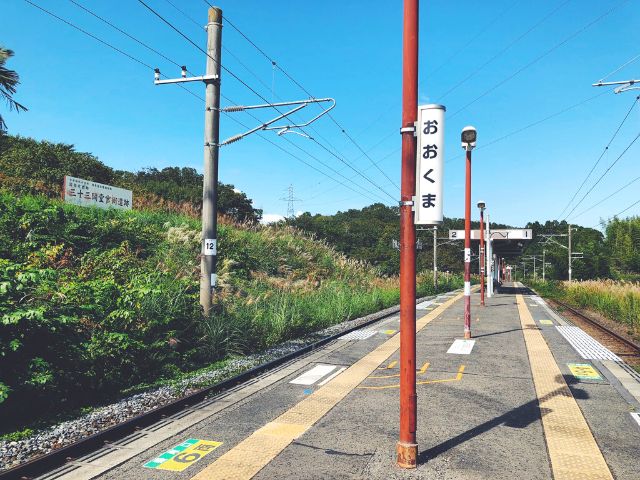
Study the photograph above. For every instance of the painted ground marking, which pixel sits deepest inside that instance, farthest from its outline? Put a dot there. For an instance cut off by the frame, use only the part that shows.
(584, 371)
(183, 456)
(546, 322)
(312, 376)
(636, 417)
(461, 347)
(389, 332)
(457, 378)
(332, 376)
(422, 371)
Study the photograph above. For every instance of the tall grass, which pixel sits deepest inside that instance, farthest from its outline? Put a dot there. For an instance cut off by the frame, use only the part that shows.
(616, 300)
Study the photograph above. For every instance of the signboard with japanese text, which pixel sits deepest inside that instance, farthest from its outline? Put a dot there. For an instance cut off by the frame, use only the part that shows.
(511, 234)
(92, 194)
(430, 165)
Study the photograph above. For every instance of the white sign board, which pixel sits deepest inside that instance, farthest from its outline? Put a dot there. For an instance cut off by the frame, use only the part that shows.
(430, 165)
(92, 194)
(513, 234)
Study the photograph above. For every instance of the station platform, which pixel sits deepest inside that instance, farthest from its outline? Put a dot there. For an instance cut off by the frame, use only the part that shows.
(520, 402)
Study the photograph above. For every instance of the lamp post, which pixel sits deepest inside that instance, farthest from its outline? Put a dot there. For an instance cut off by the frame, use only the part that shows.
(468, 139)
(481, 206)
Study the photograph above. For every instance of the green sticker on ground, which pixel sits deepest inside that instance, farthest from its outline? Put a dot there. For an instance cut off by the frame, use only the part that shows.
(584, 371)
(183, 455)
(546, 322)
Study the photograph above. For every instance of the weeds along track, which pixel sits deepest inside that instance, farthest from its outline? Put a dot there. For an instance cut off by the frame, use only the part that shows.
(54, 459)
(626, 349)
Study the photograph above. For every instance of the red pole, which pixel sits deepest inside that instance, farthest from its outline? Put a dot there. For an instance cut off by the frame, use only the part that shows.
(482, 256)
(467, 248)
(407, 448)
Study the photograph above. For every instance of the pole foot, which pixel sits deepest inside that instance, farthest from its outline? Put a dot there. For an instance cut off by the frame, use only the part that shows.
(407, 454)
(467, 335)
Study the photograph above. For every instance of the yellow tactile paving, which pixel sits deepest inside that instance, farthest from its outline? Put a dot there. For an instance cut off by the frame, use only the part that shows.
(249, 457)
(573, 451)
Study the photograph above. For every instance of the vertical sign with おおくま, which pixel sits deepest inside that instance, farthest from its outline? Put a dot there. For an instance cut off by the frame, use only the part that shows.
(430, 165)
(92, 194)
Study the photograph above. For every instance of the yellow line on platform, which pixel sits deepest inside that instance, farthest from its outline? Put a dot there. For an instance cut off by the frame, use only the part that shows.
(253, 453)
(573, 451)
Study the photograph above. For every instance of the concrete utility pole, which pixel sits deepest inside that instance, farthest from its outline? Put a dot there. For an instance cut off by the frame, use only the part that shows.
(569, 249)
(208, 275)
(435, 257)
(407, 448)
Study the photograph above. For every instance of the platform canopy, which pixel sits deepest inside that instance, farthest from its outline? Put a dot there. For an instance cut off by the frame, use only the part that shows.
(506, 242)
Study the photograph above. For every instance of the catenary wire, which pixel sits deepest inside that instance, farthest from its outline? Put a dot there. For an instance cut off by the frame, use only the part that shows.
(140, 62)
(357, 172)
(629, 62)
(606, 149)
(540, 57)
(605, 198)
(602, 222)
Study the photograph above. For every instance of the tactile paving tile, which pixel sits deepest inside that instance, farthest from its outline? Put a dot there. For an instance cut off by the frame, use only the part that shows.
(587, 346)
(573, 451)
(359, 334)
(251, 455)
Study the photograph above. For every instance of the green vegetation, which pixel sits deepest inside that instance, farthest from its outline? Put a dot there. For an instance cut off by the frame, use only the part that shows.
(9, 80)
(618, 301)
(94, 302)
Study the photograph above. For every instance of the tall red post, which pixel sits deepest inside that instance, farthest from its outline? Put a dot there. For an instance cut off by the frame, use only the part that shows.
(482, 256)
(407, 448)
(467, 248)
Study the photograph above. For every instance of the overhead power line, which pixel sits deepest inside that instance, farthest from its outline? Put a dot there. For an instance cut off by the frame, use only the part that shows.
(602, 222)
(230, 72)
(603, 175)
(629, 62)
(540, 57)
(299, 85)
(606, 149)
(146, 65)
(606, 198)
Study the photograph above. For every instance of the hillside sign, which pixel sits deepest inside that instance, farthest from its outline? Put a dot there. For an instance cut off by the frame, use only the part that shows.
(92, 194)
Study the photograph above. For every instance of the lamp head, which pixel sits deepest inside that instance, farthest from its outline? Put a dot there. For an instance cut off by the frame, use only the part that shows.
(481, 205)
(468, 137)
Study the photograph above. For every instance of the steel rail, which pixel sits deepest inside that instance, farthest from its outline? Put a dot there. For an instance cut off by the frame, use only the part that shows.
(56, 458)
(598, 325)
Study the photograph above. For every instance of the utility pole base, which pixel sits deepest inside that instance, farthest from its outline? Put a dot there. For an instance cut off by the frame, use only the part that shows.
(467, 335)
(407, 454)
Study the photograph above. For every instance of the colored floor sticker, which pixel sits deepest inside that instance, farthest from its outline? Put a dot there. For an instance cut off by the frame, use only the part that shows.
(312, 376)
(389, 332)
(183, 456)
(584, 371)
(546, 322)
(462, 347)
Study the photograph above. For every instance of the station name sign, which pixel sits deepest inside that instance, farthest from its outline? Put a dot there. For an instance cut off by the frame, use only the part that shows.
(510, 234)
(92, 194)
(430, 165)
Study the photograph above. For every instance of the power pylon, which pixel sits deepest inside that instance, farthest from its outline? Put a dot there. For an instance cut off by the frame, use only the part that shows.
(291, 199)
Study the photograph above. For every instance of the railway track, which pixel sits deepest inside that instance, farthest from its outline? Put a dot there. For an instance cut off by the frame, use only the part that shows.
(630, 345)
(56, 458)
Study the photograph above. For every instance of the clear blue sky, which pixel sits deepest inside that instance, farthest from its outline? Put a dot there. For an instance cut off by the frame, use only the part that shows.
(81, 92)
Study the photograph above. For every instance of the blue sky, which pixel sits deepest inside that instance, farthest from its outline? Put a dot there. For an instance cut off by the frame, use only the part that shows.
(78, 91)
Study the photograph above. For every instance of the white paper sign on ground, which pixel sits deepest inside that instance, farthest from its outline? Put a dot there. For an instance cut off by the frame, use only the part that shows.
(462, 347)
(312, 376)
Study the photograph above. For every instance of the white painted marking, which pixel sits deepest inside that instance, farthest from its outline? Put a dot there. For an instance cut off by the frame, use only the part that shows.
(467, 288)
(461, 347)
(332, 376)
(588, 347)
(636, 417)
(313, 375)
(424, 304)
(359, 334)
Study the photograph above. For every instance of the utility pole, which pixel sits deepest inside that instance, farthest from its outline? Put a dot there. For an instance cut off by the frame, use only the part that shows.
(569, 249)
(435, 257)
(208, 275)
(407, 447)
(488, 254)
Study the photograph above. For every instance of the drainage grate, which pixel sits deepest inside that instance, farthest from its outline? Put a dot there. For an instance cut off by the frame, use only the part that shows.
(359, 334)
(585, 345)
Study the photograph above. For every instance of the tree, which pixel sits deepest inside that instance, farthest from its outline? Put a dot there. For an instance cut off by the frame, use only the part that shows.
(8, 81)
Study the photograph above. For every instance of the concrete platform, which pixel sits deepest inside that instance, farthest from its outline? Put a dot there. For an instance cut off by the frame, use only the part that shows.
(509, 409)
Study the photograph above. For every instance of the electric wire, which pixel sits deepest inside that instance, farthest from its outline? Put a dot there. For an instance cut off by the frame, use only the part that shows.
(140, 62)
(603, 222)
(169, 24)
(629, 62)
(606, 149)
(603, 175)
(504, 50)
(540, 57)
(299, 85)
(605, 198)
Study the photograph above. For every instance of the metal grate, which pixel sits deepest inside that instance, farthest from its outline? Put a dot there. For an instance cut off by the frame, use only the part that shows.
(585, 345)
(359, 334)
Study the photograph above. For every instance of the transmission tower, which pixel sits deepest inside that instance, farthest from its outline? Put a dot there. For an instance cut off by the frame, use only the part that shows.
(291, 199)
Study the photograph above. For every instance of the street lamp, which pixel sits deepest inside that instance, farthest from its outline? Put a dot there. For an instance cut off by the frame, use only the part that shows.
(468, 139)
(481, 206)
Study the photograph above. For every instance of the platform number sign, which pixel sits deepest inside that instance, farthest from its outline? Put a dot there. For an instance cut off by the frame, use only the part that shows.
(430, 165)
(182, 456)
